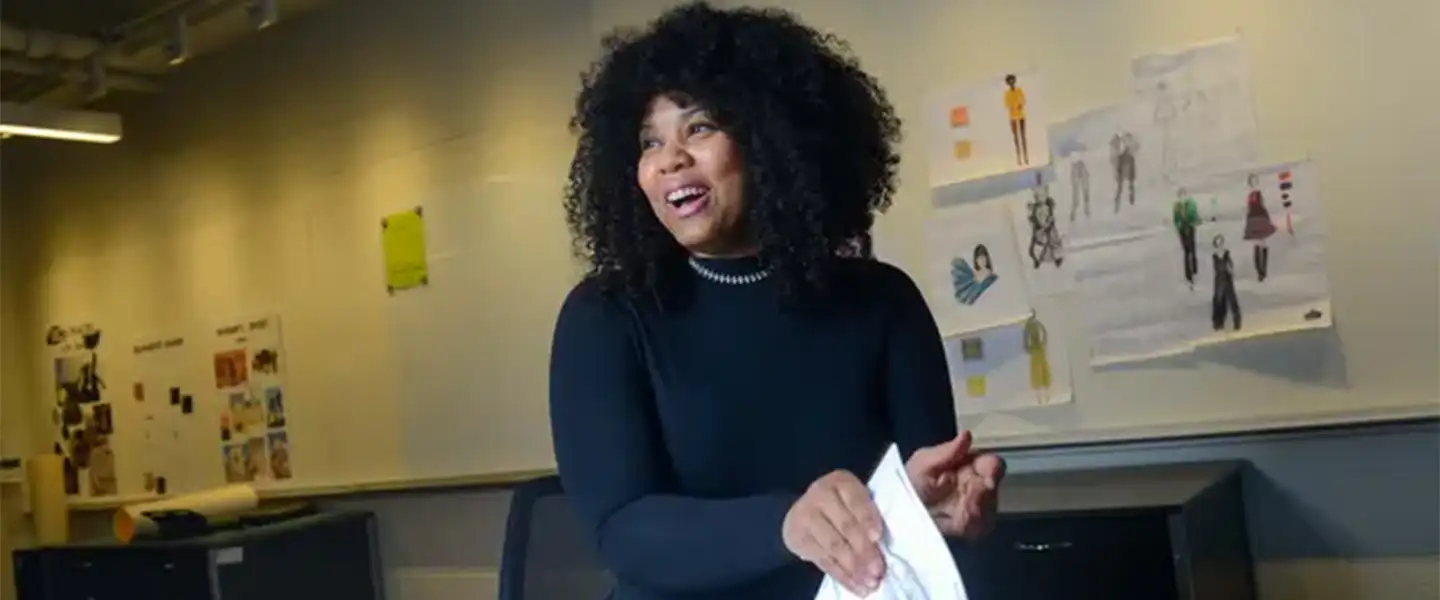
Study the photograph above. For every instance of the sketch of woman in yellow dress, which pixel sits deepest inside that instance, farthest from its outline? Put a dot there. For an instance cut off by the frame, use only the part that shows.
(1036, 340)
(1015, 107)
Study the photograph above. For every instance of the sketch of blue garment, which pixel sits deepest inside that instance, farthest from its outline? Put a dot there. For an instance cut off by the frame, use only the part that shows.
(967, 288)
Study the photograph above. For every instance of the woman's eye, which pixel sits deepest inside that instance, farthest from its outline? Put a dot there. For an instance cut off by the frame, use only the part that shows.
(648, 144)
(698, 128)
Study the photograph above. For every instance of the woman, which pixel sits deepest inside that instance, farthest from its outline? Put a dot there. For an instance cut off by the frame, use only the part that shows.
(971, 279)
(1258, 226)
(1015, 107)
(1036, 341)
(731, 366)
(1225, 302)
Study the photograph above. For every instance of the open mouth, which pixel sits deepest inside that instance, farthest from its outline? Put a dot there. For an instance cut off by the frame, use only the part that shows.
(688, 200)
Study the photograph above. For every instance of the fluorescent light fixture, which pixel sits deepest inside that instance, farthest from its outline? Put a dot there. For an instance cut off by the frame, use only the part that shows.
(59, 124)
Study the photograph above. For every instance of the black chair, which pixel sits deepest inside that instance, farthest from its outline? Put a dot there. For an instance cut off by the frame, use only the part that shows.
(548, 555)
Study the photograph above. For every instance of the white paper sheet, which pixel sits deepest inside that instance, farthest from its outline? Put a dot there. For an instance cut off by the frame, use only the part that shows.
(1023, 365)
(975, 278)
(1139, 302)
(1294, 292)
(918, 563)
(1042, 232)
(1201, 106)
(972, 132)
(1134, 299)
(1105, 168)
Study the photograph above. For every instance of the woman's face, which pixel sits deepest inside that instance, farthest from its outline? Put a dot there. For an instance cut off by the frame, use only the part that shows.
(691, 174)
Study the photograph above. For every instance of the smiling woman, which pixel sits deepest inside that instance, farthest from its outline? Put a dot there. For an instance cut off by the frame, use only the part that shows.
(690, 171)
(734, 362)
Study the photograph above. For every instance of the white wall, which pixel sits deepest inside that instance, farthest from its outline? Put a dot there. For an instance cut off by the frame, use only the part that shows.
(257, 182)
(15, 387)
(295, 141)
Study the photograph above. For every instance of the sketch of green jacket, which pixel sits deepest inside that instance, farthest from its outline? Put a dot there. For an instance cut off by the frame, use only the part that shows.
(1186, 213)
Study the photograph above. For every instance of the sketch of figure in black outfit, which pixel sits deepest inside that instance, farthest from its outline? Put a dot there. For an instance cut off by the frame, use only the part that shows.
(1045, 242)
(1079, 187)
(1225, 302)
(1123, 147)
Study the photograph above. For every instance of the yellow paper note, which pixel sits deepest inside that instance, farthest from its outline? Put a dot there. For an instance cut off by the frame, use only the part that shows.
(404, 245)
(975, 386)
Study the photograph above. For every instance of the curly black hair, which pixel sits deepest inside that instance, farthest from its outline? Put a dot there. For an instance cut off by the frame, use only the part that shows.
(816, 134)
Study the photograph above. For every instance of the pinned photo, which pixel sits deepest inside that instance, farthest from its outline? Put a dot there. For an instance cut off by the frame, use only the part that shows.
(266, 361)
(102, 471)
(275, 407)
(104, 419)
(255, 464)
(237, 462)
(280, 455)
(231, 369)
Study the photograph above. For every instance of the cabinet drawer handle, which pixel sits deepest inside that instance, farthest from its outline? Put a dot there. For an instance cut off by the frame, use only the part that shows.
(1041, 547)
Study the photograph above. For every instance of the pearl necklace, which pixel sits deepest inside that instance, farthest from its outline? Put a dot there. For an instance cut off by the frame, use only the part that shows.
(726, 278)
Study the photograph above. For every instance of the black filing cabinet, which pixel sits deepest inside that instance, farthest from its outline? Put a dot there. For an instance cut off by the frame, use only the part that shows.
(325, 555)
(1163, 532)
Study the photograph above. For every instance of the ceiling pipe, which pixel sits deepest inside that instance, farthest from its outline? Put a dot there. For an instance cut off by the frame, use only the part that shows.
(73, 73)
(32, 43)
(45, 44)
(156, 26)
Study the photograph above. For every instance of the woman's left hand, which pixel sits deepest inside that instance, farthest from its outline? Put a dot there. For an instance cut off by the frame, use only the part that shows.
(960, 489)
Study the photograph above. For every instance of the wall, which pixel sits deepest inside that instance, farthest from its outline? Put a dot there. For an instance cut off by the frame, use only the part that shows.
(315, 125)
(1340, 515)
(15, 425)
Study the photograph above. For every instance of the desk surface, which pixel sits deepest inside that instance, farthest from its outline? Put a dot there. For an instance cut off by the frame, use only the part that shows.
(1153, 487)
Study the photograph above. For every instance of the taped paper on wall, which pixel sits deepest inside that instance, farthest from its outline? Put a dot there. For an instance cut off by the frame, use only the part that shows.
(1230, 256)
(79, 389)
(975, 278)
(1009, 367)
(1042, 234)
(166, 369)
(1201, 107)
(250, 384)
(988, 127)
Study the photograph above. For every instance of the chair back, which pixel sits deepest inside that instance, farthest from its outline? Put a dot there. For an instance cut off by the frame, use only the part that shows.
(548, 555)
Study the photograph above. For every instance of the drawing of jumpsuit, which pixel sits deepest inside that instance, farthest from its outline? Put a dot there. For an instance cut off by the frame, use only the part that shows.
(1036, 340)
(1079, 187)
(1225, 302)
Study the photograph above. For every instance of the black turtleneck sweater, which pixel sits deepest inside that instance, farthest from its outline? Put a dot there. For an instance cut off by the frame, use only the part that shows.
(684, 435)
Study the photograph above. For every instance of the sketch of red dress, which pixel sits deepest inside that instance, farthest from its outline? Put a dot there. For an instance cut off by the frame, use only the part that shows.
(1258, 225)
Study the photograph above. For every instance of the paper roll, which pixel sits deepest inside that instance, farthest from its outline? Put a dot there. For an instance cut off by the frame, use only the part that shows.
(49, 507)
(213, 504)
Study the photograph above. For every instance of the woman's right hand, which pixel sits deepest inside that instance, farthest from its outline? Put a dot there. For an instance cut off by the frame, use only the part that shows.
(837, 527)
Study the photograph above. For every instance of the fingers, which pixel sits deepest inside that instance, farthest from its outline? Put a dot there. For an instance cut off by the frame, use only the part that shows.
(925, 462)
(846, 528)
(990, 468)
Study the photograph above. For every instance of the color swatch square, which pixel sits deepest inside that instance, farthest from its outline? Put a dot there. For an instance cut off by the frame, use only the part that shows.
(963, 150)
(960, 117)
(975, 386)
(972, 349)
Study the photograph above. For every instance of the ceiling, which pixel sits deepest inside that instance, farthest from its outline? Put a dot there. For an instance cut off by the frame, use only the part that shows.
(79, 17)
(47, 46)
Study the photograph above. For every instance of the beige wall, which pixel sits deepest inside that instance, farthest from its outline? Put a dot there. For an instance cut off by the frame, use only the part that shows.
(294, 141)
